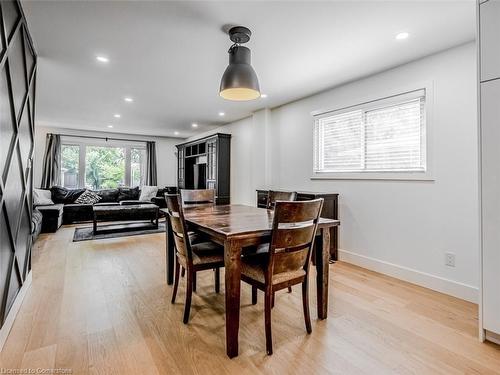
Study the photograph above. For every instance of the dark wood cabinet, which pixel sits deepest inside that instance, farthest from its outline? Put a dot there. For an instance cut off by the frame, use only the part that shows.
(330, 210)
(205, 164)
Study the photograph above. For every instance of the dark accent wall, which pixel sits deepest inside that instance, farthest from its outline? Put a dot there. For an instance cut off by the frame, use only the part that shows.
(17, 114)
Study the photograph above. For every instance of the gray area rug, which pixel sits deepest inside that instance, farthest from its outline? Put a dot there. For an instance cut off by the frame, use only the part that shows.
(116, 230)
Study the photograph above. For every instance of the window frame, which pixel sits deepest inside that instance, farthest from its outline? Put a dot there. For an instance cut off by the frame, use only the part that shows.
(83, 142)
(389, 98)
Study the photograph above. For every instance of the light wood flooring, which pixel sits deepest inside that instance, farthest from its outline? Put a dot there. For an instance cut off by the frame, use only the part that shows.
(103, 307)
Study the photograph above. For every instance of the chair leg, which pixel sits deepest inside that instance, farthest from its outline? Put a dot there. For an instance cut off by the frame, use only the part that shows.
(189, 293)
(267, 314)
(217, 280)
(254, 295)
(289, 289)
(176, 279)
(272, 299)
(305, 302)
(194, 282)
(183, 272)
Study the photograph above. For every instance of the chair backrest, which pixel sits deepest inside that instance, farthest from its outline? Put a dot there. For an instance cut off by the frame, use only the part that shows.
(198, 197)
(294, 230)
(273, 196)
(175, 214)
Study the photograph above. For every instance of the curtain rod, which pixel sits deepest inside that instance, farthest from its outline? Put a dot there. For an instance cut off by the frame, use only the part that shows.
(105, 138)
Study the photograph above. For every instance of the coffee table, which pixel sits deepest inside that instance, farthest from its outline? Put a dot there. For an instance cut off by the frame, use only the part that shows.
(126, 213)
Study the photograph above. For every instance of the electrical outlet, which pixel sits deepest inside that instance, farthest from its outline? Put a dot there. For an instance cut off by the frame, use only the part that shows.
(450, 259)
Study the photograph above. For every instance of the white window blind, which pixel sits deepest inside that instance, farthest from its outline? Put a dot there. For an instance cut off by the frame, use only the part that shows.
(383, 135)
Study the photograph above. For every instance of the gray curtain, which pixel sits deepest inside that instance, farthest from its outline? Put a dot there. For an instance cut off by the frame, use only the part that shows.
(51, 173)
(151, 179)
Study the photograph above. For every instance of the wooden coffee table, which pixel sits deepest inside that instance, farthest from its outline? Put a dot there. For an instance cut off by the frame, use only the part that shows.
(126, 213)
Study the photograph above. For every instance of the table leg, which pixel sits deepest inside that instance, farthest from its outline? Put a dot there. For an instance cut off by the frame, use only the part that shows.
(170, 252)
(322, 272)
(232, 263)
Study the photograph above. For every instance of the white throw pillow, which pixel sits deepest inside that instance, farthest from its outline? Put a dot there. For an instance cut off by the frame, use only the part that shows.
(42, 197)
(148, 192)
(88, 197)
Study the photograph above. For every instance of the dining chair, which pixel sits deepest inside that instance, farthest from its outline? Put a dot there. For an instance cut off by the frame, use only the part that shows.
(192, 257)
(273, 196)
(198, 197)
(288, 260)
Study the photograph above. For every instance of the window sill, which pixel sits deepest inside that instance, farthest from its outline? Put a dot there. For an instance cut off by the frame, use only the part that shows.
(388, 176)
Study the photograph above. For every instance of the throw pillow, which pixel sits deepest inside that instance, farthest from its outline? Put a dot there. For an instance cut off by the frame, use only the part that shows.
(148, 193)
(42, 197)
(88, 197)
(127, 194)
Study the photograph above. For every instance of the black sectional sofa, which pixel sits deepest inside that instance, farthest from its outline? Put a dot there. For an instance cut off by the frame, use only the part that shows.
(66, 211)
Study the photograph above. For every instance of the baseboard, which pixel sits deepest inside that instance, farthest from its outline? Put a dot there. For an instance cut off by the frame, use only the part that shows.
(11, 317)
(492, 336)
(440, 284)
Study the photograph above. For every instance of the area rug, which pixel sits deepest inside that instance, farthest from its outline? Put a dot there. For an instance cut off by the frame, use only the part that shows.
(116, 230)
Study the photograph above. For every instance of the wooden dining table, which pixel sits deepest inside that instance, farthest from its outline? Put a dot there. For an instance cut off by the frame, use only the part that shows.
(235, 227)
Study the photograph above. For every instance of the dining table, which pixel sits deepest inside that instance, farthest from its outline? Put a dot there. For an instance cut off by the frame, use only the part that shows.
(235, 227)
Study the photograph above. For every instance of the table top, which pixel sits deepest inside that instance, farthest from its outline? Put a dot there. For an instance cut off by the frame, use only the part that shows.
(235, 219)
(129, 207)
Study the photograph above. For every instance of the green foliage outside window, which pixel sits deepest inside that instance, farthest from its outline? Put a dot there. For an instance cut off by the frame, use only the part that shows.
(104, 167)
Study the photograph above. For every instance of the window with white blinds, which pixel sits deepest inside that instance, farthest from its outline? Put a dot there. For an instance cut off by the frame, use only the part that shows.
(379, 136)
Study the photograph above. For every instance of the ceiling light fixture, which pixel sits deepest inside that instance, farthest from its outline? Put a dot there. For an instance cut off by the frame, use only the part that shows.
(263, 96)
(194, 125)
(176, 133)
(239, 81)
(221, 113)
(102, 59)
(116, 115)
(402, 36)
(110, 126)
(128, 99)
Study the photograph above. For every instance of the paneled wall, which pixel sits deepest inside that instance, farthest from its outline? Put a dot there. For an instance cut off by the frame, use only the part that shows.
(17, 113)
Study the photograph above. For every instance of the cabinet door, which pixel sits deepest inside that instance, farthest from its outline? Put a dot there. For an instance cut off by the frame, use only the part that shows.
(180, 168)
(489, 21)
(490, 160)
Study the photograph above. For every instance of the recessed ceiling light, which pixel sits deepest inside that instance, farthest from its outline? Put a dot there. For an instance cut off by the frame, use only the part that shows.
(116, 115)
(102, 59)
(263, 95)
(221, 113)
(128, 99)
(176, 133)
(110, 126)
(403, 35)
(194, 125)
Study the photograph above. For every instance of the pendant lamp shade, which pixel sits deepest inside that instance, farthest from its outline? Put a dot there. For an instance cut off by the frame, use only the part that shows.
(239, 81)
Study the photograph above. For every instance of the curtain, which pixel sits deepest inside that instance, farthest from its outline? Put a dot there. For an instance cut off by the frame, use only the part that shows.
(51, 173)
(151, 178)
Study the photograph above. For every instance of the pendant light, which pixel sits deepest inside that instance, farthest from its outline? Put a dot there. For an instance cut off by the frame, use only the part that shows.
(239, 81)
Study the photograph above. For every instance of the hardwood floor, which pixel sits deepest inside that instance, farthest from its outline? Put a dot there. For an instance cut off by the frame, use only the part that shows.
(103, 307)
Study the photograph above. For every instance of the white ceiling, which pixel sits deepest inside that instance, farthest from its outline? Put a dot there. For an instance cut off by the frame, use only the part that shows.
(169, 56)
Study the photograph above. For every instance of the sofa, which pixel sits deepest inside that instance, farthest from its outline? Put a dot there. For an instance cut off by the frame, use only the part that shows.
(66, 211)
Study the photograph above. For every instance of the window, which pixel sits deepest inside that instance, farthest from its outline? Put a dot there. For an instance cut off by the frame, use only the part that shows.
(93, 164)
(387, 135)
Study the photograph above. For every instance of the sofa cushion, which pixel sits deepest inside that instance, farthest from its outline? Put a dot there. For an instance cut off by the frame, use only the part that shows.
(148, 192)
(88, 197)
(126, 194)
(63, 195)
(42, 197)
(108, 195)
(77, 212)
(54, 210)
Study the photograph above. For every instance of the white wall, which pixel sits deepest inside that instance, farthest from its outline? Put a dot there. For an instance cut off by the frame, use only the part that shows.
(165, 152)
(402, 228)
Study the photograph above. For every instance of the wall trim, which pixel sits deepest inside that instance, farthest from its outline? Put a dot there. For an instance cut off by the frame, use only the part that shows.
(16, 306)
(454, 288)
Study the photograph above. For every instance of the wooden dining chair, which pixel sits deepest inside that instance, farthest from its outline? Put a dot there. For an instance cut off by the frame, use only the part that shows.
(288, 259)
(198, 197)
(273, 196)
(192, 257)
